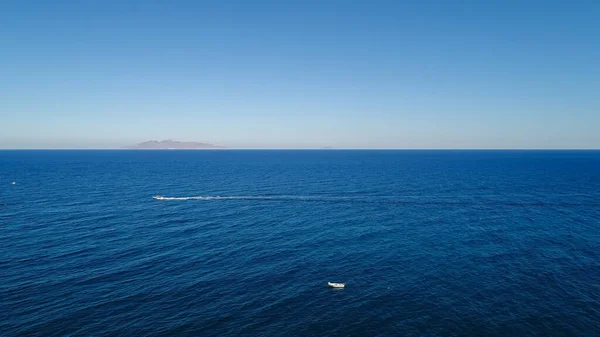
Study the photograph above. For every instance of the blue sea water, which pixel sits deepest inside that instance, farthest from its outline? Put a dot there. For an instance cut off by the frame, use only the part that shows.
(429, 243)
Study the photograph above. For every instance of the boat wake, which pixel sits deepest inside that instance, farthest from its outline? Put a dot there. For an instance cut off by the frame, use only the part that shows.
(158, 197)
(405, 199)
(249, 197)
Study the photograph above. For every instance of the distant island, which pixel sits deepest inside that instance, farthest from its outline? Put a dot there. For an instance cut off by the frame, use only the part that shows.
(173, 145)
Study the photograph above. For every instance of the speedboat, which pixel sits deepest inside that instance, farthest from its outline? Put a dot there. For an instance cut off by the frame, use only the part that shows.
(158, 197)
(336, 285)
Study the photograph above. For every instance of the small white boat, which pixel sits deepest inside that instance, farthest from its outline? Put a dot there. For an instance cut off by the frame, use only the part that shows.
(336, 285)
(13, 183)
(158, 197)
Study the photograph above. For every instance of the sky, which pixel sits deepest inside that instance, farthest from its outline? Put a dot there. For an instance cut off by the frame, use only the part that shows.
(301, 74)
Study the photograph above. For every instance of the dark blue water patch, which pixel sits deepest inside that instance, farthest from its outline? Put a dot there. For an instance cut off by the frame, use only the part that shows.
(429, 243)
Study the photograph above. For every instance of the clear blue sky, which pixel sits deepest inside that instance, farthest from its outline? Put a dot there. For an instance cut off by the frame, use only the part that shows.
(301, 74)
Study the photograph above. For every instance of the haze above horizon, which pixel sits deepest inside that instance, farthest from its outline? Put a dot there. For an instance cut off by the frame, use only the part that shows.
(310, 74)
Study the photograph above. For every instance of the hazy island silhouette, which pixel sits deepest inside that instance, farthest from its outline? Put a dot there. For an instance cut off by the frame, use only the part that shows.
(170, 144)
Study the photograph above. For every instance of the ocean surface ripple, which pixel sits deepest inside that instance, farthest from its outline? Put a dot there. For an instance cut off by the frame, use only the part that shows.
(243, 243)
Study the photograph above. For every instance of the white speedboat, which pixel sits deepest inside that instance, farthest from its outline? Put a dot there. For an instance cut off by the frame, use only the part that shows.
(158, 197)
(336, 285)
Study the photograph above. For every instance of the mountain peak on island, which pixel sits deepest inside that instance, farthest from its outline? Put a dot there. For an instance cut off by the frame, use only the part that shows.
(173, 144)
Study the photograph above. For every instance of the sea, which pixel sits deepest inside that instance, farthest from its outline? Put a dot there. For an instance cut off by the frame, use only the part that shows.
(244, 243)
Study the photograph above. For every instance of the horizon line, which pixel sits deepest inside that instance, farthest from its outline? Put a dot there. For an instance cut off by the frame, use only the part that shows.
(304, 149)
